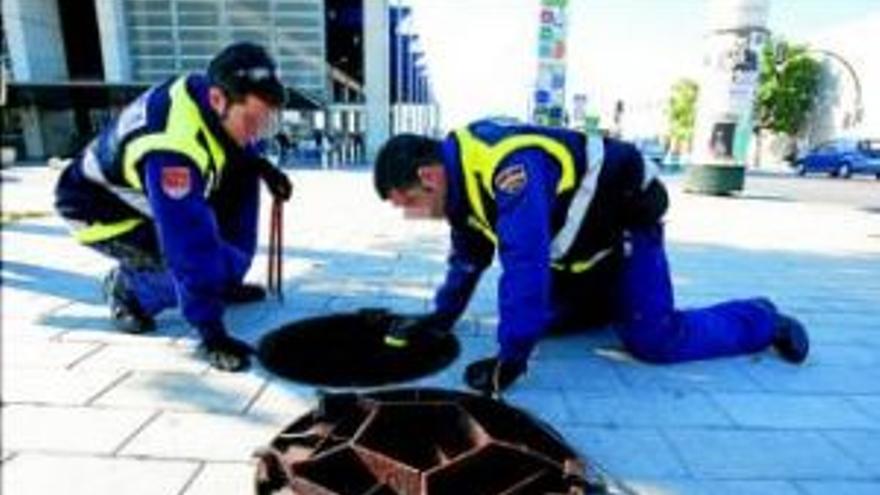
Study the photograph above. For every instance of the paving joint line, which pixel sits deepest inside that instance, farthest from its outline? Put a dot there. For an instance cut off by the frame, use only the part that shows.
(200, 468)
(247, 408)
(98, 348)
(127, 440)
(110, 386)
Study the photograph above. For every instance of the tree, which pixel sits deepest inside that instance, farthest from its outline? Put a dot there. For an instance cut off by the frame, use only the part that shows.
(787, 88)
(682, 113)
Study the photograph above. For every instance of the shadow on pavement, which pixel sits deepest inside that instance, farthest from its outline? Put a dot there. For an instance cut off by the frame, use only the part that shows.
(36, 229)
(51, 281)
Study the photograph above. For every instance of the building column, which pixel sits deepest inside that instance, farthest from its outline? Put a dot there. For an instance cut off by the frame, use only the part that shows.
(36, 47)
(114, 40)
(376, 75)
(33, 135)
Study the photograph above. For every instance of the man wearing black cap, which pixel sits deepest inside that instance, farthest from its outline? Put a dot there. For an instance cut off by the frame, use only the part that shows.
(170, 189)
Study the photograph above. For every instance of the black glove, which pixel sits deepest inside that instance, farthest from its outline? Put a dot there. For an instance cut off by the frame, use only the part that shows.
(646, 207)
(492, 375)
(276, 180)
(404, 328)
(244, 293)
(227, 353)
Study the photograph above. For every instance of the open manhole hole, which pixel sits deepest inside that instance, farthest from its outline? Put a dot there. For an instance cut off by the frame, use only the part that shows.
(349, 350)
(423, 442)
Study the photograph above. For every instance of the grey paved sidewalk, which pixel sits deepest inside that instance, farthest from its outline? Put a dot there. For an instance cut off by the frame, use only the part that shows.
(88, 410)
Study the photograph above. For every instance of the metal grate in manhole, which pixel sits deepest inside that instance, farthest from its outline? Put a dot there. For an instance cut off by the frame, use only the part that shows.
(423, 442)
(348, 350)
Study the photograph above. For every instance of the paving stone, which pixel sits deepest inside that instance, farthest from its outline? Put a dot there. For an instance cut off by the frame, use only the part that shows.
(202, 436)
(653, 422)
(841, 487)
(227, 478)
(180, 358)
(548, 405)
(184, 392)
(869, 404)
(26, 326)
(691, 487)
(587, 344)
(91, 323)
(831, 323)
(40, 353)
(23, 299)
(732, 454)
(724, 375)
(449, 378)
(626, 453)
(807, 413)
(68, 429)
(815, 379)
(643, 409)
(863, 446)
(473, 348)
(283, 401)
(855, 356)
(592, 376)
(55, 386)
(44, 473)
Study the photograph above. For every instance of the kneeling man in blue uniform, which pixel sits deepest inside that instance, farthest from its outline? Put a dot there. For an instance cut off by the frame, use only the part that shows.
(577, 223)
(171, 190)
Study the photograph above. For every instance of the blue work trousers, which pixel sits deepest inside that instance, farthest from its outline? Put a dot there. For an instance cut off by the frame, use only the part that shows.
(634, 293)
(143, 271)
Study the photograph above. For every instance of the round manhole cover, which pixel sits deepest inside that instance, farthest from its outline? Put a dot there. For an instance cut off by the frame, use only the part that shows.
(422, 442)
(349, 350)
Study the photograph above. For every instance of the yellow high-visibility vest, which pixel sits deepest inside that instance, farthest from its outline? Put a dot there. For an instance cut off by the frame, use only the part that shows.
(480, 159)
(185, 133)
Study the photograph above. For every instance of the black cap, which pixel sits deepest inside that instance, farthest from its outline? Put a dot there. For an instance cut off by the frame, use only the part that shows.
(246, 68)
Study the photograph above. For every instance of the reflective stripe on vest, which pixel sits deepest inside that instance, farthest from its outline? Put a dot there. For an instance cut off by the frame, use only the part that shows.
(480, 159)
(97, 232)
(582, 265)
(92, 170)
(580, 202)
(183, 125)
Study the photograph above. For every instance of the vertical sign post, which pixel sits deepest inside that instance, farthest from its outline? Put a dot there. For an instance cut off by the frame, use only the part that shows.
(549, 94)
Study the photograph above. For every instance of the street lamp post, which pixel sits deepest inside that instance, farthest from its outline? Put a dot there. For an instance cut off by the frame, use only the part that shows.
(851, 119)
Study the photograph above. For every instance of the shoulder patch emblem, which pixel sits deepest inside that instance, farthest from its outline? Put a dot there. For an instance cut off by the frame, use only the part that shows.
(512, 179)
(176, 181)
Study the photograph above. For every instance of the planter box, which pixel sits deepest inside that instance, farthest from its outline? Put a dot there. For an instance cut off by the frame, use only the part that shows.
(719, 180)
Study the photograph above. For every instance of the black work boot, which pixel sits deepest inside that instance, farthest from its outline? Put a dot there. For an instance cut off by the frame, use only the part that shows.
(790, 338)
(125, 312)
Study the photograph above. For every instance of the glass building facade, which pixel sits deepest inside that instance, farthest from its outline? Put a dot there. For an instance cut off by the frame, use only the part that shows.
(169, 36)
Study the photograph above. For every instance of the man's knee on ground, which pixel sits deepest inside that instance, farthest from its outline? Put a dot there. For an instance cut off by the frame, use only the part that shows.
(646, 344)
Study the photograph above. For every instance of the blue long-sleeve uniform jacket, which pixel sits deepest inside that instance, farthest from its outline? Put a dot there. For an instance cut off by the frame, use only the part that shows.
(207, 242)
(208, 235)
(523, 231)
(524, 225)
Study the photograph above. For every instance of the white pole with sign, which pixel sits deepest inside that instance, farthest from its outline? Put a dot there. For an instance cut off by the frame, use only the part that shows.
(549, 97)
